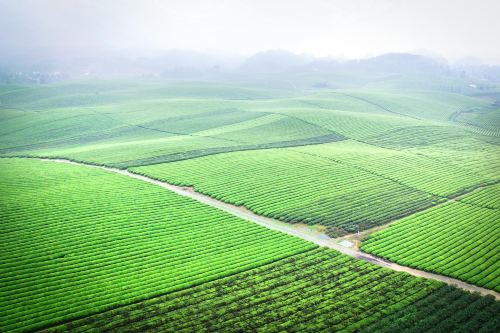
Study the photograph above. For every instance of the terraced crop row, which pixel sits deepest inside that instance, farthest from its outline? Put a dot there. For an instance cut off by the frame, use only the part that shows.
(418, 135)
(78, 240)
(485, 121)
(352, 123)
(428, 105)
(449, 145)
(295, 187)
(137, 123)
(458, 239)
(410, 169)
(162, 140)
(445, 310)
(320, 290)
(488, 197)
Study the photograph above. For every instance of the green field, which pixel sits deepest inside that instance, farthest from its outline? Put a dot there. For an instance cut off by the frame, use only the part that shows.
(85, 249)
(407, 149)
(78, 240)
(125, 124)
(295, 187)
(339, 185)
(150, 242)
(459, 239)
(488, 197)
(311, 292)
(249, 166)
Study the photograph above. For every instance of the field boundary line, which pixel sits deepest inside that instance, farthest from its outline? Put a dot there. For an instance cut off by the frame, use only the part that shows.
(375, 104)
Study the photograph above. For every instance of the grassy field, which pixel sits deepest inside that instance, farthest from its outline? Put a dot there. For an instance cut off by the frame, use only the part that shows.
(78, 240)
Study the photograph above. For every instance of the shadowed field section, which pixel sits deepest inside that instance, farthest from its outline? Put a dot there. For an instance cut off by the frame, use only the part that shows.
(310, 292)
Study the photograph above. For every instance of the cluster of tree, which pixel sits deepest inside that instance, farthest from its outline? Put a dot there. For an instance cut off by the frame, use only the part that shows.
(11, 76)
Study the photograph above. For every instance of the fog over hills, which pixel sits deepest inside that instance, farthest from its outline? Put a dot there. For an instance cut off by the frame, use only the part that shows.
(52, 40)
(175, 64)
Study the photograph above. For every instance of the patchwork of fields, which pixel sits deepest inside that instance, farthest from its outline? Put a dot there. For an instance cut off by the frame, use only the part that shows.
(88, 250)
(293, 187)
(339, 185)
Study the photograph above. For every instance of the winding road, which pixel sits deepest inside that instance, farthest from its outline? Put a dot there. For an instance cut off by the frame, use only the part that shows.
(307, 234)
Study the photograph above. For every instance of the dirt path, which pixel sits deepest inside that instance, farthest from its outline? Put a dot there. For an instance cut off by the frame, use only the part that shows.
(309, 234)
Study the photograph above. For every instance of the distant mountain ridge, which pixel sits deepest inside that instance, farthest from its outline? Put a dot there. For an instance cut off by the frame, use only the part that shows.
(402, 63)
(193, 65)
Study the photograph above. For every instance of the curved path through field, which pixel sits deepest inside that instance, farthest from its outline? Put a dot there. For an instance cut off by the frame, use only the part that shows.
(302, 232)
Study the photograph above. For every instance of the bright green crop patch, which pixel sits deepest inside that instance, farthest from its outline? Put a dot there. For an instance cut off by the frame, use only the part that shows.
(409, 168)
(78, 240)
(488, 197)
(460, 240)
(126, 123)
(339, 185)
(295, 186)
(320, 290)
(429, 105)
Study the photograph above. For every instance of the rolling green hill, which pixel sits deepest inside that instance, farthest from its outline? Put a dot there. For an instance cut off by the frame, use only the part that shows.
(408, 149)
(122, 123)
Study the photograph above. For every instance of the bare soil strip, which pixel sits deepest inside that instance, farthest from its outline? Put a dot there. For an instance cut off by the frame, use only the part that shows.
(308, 234)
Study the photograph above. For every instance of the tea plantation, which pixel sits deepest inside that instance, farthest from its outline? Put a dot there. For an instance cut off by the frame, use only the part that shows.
(85, 249)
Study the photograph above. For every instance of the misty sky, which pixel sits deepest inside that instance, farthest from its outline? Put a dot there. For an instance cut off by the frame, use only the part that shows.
(351, 28)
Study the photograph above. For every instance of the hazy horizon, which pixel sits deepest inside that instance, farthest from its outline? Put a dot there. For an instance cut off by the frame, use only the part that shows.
(453, 30)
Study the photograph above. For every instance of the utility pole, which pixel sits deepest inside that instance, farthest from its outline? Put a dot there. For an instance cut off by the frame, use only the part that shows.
(358, 238)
